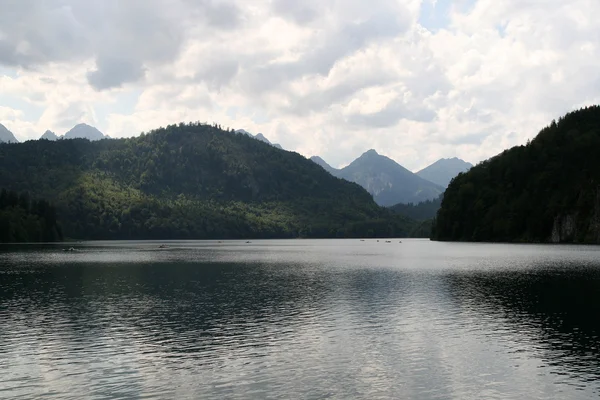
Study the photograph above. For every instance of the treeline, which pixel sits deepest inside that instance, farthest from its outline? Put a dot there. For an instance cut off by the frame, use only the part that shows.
(23, 219)
(545, 191)
(192, 181)
(422, 213)
(425, 210)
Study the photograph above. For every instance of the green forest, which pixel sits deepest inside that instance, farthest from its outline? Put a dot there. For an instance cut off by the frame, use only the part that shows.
(192, 181)
(425, 210)
(23, 219)
(423, 213)
(545, 191)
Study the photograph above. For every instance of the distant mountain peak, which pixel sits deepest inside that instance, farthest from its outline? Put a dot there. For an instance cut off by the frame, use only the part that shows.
(85, 131)
(371, 152)
(49, 135)
(387, 181)
(7, 136)
(260, 137)
(372, 160)
(444, 170)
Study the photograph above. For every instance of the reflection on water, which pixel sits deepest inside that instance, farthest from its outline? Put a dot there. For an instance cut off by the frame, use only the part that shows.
(300, 319)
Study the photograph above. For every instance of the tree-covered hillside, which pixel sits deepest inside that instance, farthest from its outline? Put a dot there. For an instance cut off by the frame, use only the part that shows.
(546, 191)
(422, 211)
(23, 219)
(191, 181)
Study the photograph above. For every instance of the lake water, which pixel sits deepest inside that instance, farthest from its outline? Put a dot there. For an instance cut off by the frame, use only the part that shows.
(300, 319)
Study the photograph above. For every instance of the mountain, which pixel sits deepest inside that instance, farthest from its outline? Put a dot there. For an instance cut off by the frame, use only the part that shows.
(85, 131)
(260, 137)
(244, 132)
(388, 182)
(49, 135)
(7, 136)
(443, 171)
(545, 191)
(319, 161)
(191, 181)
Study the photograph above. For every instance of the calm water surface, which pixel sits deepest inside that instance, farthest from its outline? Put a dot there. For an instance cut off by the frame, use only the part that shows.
(300, 319)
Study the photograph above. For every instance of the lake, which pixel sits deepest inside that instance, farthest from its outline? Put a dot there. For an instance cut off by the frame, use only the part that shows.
(300, 319)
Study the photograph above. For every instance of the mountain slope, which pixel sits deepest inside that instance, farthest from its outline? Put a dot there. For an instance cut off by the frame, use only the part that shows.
(319, 161)
(84, 131)
(191, 181)
(7, 136)
(421, 211)
(49, 135)
(444, 170)
(546, 191)
(388, 182)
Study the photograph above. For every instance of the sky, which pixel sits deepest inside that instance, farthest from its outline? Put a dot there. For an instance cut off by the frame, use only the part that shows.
(416, 80)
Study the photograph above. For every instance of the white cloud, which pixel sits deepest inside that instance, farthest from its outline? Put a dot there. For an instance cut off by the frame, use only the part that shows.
(333, 77)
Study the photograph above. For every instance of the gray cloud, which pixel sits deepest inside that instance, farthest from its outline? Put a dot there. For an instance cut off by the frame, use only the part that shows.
(71, 116)
(350, 38)
(325, 50)
(319, 100)
(293, 69)
(475, 138)
(216, 68)
(300, 12)
(33, 33)
(113, 72)
(124, 37)
(391, 114)
(220, 14)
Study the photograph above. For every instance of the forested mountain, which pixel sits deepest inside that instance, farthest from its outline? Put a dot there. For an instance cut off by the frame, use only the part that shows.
(191, 181)
(7, 136)
(444, 170)
(420, 211)
(84, 131)
(25, 220)
(545, 191)
(388, 182)
(49, 135)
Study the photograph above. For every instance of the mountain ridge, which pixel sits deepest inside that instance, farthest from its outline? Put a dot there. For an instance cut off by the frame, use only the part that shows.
(85, 131)
(191, 181)
(49, 135)
(6, 136)
(387, 181)
(79, 131)
(444, 170)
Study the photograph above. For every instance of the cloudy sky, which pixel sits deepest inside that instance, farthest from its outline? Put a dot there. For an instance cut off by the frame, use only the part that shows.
(416, 80)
